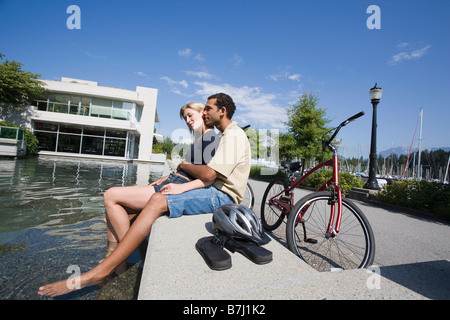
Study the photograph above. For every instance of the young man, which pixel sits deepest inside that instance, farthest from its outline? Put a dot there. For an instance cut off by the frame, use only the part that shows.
(224, 177)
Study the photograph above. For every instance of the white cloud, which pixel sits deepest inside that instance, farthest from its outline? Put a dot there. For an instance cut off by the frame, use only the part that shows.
(284, 76)
(237, 60)
(199, 74)
(177, 86)
(199, 57)
(185, 53)
(253, 106)
(295, 77)
(140, 73)
(99, 57)
(408, 55)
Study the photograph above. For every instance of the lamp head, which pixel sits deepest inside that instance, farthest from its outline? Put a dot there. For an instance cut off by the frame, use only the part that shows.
(375, 93)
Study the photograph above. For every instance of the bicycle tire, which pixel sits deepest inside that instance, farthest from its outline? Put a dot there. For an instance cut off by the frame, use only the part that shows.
(352, 248)
(249, 197)
(271, 216)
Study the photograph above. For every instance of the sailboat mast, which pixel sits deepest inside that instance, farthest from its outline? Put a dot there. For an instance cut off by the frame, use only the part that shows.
(446, 170)
(419, 169)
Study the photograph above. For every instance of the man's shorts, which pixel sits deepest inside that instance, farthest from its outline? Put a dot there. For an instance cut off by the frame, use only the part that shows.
(197, 201)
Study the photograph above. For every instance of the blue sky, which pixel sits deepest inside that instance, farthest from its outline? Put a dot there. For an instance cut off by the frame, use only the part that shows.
(264, 53)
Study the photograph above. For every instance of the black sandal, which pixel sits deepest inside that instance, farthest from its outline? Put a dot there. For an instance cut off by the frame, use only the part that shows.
(211, 250)
(250, 250)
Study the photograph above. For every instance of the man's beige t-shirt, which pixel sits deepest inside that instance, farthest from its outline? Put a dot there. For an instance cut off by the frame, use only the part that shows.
(232, 162)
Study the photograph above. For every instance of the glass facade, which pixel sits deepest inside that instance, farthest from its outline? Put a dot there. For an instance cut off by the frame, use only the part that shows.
(90, 106)
(84, 140)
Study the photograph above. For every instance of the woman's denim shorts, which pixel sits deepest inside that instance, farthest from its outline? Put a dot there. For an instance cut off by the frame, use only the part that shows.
(172, 178)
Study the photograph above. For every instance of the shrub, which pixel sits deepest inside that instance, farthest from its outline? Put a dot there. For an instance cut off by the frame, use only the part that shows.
(347, 181)
(422, 195)
(255, 172)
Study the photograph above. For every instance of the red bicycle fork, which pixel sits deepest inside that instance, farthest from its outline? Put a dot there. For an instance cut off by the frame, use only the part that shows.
(335, 199)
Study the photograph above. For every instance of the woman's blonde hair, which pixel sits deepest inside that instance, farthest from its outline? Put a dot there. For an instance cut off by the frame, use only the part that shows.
(195, 105)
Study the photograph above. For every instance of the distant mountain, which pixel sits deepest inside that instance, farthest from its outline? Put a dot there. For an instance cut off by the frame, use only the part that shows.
(405, 150)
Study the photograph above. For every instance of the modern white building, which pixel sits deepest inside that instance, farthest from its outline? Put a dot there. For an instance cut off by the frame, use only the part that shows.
(80, 118)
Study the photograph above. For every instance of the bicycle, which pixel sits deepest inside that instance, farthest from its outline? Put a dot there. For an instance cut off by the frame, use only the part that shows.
(324, 229)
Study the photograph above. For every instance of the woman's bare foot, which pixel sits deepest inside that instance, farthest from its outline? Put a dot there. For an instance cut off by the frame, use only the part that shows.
(72, 284)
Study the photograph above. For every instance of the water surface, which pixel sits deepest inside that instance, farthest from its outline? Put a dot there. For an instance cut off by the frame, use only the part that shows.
(51, 219)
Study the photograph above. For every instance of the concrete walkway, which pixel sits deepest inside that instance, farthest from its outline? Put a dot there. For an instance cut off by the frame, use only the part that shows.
(174, 269)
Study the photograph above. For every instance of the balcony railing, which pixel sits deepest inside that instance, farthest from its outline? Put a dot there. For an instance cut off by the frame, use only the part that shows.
(92, 111)
(14, 134)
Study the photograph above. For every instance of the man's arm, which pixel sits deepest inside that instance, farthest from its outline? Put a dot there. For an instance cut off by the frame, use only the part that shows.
(202, 172)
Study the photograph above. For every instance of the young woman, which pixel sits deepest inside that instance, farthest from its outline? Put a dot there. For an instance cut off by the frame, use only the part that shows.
(123, 203)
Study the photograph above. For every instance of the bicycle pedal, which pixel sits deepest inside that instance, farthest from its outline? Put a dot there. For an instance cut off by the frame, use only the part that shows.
(284, 199)
(310, 240)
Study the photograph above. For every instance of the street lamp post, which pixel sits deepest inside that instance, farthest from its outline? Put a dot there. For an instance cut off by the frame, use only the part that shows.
(372, 183)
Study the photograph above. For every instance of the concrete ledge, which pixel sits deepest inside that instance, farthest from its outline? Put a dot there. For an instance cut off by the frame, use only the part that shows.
(362, 194)
(173, 269)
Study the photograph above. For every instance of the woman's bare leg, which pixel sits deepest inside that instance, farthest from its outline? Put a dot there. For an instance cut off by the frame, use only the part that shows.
(117, 200)
(137, 233)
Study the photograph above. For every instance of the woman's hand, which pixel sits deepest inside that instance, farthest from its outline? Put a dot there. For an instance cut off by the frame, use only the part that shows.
(159, 181)
(174, 188)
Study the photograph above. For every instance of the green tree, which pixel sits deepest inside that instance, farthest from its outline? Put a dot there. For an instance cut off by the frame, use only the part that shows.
(288, 149)
(307, 123)
(18, 87)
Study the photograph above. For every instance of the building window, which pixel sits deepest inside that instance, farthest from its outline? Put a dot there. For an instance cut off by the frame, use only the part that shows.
(101, 108)
(69, 143)
(81, 140)
(58, 103)
(92, 145)
(115, 147)
(47, 141)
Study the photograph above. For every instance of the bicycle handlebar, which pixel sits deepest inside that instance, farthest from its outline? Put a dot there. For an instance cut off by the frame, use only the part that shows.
(353, 118)
(326, 143)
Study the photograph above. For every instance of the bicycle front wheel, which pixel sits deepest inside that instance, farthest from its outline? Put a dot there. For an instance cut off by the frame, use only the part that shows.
(353, 247)
(272, 215)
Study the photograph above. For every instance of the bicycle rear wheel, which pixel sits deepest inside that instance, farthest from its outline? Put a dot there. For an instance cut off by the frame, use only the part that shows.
(353, 247)
(249, 197)
(272, 215)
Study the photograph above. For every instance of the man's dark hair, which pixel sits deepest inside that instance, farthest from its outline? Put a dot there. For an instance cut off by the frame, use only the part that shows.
(224, 100)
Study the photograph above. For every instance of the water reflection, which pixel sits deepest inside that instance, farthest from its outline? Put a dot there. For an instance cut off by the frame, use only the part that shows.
(51, 216)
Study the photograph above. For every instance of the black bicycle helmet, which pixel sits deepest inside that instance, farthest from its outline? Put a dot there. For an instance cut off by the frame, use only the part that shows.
(240, 223)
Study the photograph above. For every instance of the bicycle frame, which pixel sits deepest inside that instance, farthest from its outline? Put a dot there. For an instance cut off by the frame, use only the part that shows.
(337, 195)
(334, 181)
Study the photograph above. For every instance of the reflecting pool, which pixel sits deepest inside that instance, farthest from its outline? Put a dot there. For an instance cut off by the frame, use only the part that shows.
(51, 222)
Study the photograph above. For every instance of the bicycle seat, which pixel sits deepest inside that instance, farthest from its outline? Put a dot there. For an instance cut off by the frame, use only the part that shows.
(293, 166)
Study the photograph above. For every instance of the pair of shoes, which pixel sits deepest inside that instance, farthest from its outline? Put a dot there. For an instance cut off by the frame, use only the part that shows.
(250, 250)
(211, 250)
